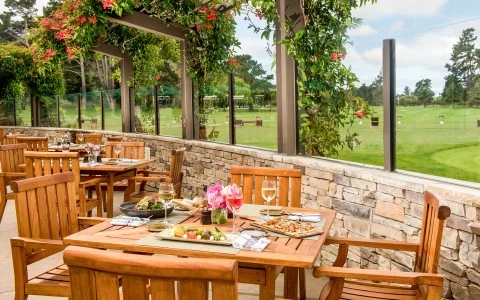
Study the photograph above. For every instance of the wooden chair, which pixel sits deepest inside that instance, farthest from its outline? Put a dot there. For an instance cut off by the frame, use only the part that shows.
(34, 143)
(174, 175)
(12, 163)
(289, 182)
(2, 135)
(422, 283)
(46, 213)
(47, 163)
(115, 138)
(11, 139)
(94, 274)
(93, 138)
(133, 150)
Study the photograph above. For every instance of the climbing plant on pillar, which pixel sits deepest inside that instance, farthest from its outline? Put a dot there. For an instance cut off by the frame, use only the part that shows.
(324, 83)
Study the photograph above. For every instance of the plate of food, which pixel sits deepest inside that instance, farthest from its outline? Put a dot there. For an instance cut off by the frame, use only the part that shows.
(148, 207)
(196, 234)
(288, 227)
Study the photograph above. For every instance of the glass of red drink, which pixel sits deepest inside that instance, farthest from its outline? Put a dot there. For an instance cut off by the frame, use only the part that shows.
(234, 202)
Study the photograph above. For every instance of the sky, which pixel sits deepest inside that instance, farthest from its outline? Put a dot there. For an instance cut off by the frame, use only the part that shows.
(424, 32)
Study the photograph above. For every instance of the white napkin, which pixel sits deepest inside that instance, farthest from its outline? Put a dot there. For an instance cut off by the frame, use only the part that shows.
(305, 218)
(129, 221)
(247, 242)
(127, 160)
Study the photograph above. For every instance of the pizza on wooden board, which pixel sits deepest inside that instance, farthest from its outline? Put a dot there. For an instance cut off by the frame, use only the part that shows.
(289, 227)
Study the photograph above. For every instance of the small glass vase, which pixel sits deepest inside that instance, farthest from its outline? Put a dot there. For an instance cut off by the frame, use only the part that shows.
(219, 215)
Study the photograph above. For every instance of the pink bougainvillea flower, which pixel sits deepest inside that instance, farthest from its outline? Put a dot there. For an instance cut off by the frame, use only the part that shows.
(208, 25)
(334, 56)
(360, 113)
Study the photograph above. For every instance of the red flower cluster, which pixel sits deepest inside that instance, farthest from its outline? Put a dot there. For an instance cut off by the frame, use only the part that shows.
(82, 20)
(107, 3)
(360, 113)
(233, 61)
(72, 51)
(63, 34)
(211, 15)
(158, 77)
(48, 54)
(92, 20)
(335, 56)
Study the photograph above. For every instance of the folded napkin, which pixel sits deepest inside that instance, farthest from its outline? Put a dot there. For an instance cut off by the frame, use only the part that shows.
(247, 242)
(314, 218)
(127, 160)
(129, 221)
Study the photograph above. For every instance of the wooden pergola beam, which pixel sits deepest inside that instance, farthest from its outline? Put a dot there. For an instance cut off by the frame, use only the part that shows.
(144, 22)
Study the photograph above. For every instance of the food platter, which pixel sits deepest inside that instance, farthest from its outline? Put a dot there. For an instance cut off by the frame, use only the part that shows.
(127, 209)
(283, 225)
(167, 235)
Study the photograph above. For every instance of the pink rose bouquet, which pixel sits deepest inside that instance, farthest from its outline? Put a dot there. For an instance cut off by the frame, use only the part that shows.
(214, 196)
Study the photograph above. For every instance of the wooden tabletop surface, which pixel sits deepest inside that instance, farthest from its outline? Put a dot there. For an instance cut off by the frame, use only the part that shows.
(282, 251)
(121, 166)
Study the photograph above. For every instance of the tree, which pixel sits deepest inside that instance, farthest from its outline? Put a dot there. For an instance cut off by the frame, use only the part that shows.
(473, 95)
(423, 91)
(377, 89)
(464, 60)
(406, 91)
(453, 90)
(17, 20)
(252, 72)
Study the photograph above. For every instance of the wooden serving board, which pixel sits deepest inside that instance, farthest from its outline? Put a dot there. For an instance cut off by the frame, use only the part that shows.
(295, 235)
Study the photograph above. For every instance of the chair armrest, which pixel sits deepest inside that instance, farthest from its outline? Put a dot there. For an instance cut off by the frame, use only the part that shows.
(31, 243)
(412, 278)
(13, 174)
(91, 220)
(394, 245)
(91, 181)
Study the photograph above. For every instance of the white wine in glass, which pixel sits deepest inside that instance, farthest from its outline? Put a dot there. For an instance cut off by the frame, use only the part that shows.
(165, 195)
(117, 148)
(269, 191)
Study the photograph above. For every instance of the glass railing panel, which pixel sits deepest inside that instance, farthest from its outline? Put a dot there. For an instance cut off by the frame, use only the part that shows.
(23, 111)
(112, 106)
(48, 107)
(437, 113)
(214, 118)
(169, 110)
(91, 111)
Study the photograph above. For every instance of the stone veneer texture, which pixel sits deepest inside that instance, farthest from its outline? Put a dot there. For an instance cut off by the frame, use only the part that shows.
(370, 203)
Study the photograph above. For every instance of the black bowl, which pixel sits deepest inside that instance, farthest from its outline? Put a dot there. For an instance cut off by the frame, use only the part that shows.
(127, 209)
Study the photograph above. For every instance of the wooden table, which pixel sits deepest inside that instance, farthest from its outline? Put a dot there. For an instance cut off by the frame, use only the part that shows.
(114, 173)
(259, 268)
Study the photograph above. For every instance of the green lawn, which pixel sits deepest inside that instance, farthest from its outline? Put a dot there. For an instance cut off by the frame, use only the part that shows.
(424, 145)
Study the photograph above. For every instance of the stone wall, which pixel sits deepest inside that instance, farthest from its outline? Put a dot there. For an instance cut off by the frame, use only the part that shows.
(370, 203)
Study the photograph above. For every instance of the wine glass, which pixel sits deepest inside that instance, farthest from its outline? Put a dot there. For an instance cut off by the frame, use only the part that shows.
(80, 138)
(95, 151)
(117, 148)
(234, 202)
(165, 195)
(269, 190)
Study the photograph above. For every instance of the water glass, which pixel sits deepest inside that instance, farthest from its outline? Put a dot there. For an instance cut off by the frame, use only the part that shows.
(117, 148)
(80, 138)
(66, 147)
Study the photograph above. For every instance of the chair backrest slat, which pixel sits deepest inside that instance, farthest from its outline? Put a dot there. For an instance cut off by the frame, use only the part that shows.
(131, 150)
(176, 165)
(11, 139)
(94, 275)
(93, 138)
(435, 212)
(251, 178)
(34, 143)
(46, 206)
(11, 157)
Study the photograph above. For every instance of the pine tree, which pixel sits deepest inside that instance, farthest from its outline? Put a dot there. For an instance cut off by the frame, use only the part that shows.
(423, 90)
(15, 22)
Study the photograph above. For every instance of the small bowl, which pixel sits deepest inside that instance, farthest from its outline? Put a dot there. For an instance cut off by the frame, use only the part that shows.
(127, 209)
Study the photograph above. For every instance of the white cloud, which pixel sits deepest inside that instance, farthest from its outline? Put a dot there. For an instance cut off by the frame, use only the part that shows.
(362, 30)
(388, 8)
(397, 26)
(419, 57)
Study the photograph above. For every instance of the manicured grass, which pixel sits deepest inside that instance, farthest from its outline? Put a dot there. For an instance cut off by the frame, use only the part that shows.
(424, 145)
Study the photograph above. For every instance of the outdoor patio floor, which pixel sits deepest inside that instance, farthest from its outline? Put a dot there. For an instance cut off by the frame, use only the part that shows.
(8, 228)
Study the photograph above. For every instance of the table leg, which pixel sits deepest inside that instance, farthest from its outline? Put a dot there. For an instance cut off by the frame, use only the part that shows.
(109, 202)
(290, 287)
(267, 291)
